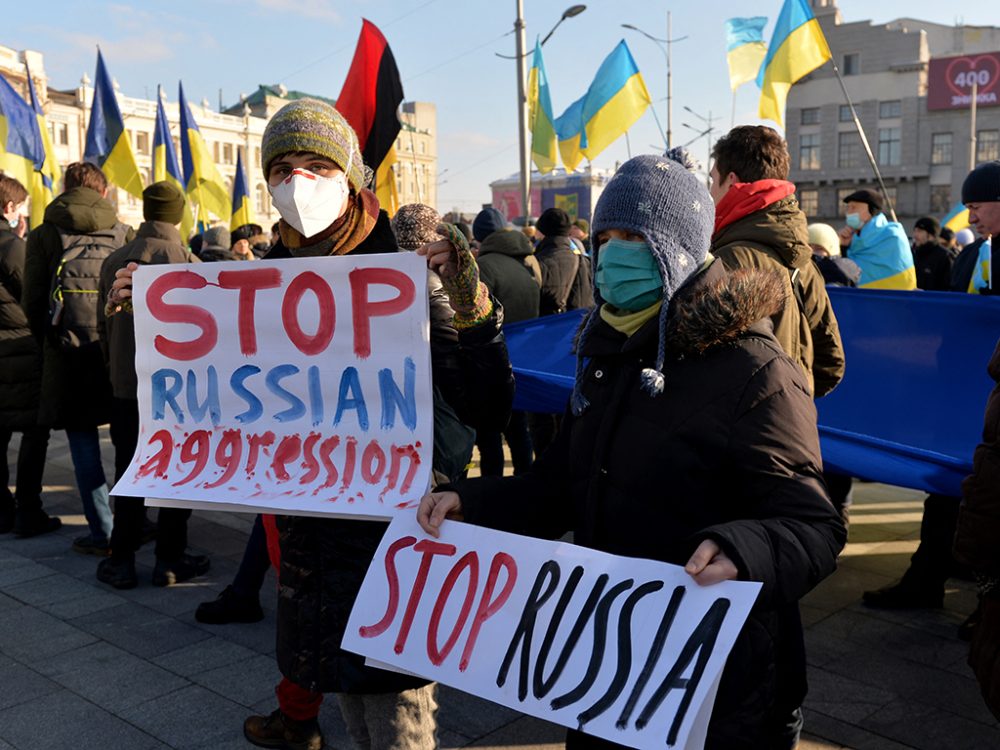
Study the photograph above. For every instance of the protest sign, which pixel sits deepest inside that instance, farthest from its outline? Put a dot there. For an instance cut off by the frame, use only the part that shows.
(298, 386)
(625, 649)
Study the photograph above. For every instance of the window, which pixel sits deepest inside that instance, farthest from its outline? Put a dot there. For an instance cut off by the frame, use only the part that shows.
(844, 113)
(215, 151)
(889, 196)
(423, 147)
(852, 64)
(889, 147)
(987, 145)
(842, 193)
(256, 156)
(59, 133)
(261, 194)
(891, 109)
(810, 116)
(809, 202)
(227, 153)
(809, 150)
(142, 142)
(941, 148)
(940, 199)
(848, 150)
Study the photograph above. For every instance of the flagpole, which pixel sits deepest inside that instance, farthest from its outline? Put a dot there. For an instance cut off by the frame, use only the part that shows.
(732, 122)
(864, 141)
(973, 137)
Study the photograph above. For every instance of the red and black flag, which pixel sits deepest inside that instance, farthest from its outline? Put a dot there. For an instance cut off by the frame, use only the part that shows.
(369, 99)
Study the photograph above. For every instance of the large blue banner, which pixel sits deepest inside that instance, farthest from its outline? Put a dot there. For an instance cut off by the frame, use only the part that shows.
(909, 411)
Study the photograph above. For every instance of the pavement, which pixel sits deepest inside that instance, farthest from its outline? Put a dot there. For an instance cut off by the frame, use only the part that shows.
(84, 666)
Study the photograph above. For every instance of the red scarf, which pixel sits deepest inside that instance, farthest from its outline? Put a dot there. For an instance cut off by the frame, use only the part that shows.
(744, 198)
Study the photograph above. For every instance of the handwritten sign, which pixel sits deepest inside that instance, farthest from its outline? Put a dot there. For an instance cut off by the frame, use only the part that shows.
(629, 650)
(301, 386)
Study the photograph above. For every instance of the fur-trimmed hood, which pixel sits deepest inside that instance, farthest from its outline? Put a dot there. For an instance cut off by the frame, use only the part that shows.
(714, 307)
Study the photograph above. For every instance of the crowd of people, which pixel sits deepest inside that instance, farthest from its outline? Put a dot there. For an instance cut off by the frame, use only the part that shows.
(690, 436)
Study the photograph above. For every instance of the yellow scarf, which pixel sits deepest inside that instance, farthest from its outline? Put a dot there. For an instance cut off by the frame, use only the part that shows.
(629, 322)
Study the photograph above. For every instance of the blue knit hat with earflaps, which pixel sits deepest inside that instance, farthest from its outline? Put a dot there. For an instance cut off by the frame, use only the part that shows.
(661, 199)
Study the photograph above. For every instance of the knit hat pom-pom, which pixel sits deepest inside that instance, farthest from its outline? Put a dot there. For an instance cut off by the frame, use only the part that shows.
(652, 381)
(683, 157)
(578, 403)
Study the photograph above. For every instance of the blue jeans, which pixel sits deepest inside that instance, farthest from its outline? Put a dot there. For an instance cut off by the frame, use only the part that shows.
(85, 448)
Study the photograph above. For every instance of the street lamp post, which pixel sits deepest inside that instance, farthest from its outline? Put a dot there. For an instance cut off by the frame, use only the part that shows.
(522, 99)
(664, 45)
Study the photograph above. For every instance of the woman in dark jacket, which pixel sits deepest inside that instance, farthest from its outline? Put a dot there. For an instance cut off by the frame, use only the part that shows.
(20, 380)
(691, 439)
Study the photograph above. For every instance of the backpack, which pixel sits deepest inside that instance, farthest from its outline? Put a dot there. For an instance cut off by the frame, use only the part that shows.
(73, 297)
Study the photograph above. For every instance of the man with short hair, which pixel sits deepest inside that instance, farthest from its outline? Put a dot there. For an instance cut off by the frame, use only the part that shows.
(157, 241)
(758, 224)
(930, 259)
(243, 239)
(876, 244)
(64, 257)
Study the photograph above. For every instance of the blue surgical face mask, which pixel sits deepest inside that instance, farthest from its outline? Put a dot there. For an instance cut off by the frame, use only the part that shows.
(628, 275)
(854, 221)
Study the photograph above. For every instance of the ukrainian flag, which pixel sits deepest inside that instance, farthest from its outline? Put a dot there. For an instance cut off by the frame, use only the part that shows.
(615, 100)
(745, 49)
(543, 131)
(21, 147)
(957, 219)
(44, 180)
(202, 181)
(107, 140)
(797, 48)
(165, 167)
(241, 197)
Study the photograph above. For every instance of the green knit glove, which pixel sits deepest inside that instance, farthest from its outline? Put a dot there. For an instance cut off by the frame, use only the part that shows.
(469, 297)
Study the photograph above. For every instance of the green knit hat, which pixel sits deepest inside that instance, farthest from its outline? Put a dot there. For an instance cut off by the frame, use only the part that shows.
(163, 201)
(311, 125)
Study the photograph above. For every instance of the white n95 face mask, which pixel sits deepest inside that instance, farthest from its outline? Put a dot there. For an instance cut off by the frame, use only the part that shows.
(308, 202)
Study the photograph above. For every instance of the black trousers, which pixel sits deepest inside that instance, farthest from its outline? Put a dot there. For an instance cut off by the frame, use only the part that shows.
(30, 469)
(126, 536)
(933, 563)
(490, 444)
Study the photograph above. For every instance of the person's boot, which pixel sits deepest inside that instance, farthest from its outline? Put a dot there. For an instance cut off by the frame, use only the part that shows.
(34, 522)
(280, 731)
(184, 568)
(229, 607)
(904, 595)
(119, 574)
(87, 545)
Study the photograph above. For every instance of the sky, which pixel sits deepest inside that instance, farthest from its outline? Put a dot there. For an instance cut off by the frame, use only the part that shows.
(446, 54)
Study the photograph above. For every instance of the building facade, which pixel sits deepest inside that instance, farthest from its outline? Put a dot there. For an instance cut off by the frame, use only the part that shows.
(924, 152)
(237, 129)
(574, 192)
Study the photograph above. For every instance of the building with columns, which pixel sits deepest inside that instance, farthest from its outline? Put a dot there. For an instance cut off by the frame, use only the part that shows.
(910, 81)
(237, 129)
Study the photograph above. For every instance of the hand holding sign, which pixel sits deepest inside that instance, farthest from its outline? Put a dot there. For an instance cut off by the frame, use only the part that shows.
(435, 507)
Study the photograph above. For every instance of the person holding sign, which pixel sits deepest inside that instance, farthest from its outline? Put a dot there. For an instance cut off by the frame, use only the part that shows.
(317, 181)
(691, 439)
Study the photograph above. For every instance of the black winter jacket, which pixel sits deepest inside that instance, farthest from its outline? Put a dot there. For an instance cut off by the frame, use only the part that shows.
(76, 391)
(324, 561)
(508, 268)
(20, 355)
(155, 243)
(729, 451)
(933, 265)
(567, 282)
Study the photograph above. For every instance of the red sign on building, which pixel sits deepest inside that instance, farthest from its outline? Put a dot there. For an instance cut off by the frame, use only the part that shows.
(950, 81)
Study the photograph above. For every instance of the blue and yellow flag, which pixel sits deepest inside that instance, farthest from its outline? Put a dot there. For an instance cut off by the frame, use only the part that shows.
(957, 219)
(242, 214)
(202, 181)
(745, 49)
(107, 140)
(615, 100)
(165, 166)
(797, 48)
(44, 181)
(21, 147)
(543, 131)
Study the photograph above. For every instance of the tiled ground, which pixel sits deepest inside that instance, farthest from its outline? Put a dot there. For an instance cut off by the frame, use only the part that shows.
(83, 666)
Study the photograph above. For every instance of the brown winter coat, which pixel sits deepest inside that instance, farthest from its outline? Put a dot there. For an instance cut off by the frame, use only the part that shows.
(155, 243)
(777, 238)
(977, 541)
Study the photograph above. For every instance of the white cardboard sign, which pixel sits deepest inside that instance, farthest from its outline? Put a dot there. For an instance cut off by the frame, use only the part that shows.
(296, 386)
(626, 649)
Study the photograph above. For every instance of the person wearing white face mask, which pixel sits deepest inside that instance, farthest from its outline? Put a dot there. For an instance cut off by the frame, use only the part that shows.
(877, 245)
(20, 368)
(317, 181)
